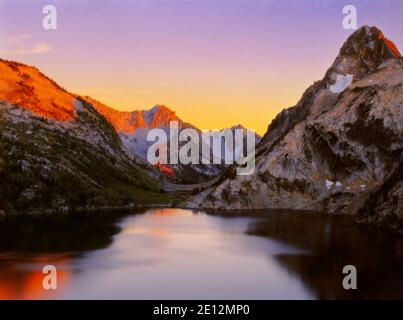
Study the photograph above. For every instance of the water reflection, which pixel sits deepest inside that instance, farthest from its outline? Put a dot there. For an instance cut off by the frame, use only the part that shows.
(180, 254)
(333, 242)
(28, 244)
(20, 276)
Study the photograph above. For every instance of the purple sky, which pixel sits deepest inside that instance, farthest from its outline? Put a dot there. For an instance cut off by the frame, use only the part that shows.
(216, 62)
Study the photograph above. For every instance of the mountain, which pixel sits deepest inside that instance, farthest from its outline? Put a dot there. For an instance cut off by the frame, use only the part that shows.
(384, 205)
(58, 153)
(134, 126)
(338, 149)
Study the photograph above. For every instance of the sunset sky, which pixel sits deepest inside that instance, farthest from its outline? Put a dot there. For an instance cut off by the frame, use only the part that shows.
(217, 63)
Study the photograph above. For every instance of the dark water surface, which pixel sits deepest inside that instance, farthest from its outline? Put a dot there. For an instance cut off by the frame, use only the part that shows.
(181, 254)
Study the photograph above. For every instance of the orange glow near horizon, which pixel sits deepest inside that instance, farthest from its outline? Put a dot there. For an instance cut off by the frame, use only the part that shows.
(215, 63)
(252, 107)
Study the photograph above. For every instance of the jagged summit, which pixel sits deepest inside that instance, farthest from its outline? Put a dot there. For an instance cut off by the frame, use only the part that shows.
(160, 108)
(370, 44)
(27, 87)
(339, 146)
(160, 116)
(363, 52)
(361, 55)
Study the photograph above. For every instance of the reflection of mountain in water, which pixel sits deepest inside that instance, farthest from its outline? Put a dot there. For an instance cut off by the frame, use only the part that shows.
(60, 233)
(333, 242)
(31, 243)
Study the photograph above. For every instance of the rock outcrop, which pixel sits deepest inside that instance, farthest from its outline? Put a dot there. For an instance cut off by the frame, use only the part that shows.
(337, 146)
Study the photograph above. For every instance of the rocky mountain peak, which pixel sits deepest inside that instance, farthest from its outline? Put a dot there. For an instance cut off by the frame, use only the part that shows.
(371, 45)
(363, 52)
(160, 116)
(160, 108)
(338, 148)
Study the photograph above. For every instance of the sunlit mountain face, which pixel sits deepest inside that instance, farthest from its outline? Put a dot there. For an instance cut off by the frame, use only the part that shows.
(84, 104)
(57, 152)
(28, 92)
(339, 149)
(331, 148)
(240, 62)
(158, 116)
(133, 128)
(27, 87)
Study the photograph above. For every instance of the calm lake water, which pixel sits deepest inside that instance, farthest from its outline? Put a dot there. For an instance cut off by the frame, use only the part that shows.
(182, 254)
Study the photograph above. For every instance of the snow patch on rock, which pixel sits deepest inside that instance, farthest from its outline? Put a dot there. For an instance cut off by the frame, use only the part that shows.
(342, 83)
(329, 184)
(78, 105)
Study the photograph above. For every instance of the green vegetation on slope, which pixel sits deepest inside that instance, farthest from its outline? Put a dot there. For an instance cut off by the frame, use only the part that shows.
(43, 167)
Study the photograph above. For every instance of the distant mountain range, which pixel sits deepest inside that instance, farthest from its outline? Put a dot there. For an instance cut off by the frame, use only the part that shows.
(60, 151)
(339, 150)
(134, 126)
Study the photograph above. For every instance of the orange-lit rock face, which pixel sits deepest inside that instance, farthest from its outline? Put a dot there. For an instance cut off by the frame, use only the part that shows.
(392, 47)
(167, 170)
(26, 87)
(160, 116)
(128, 122)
